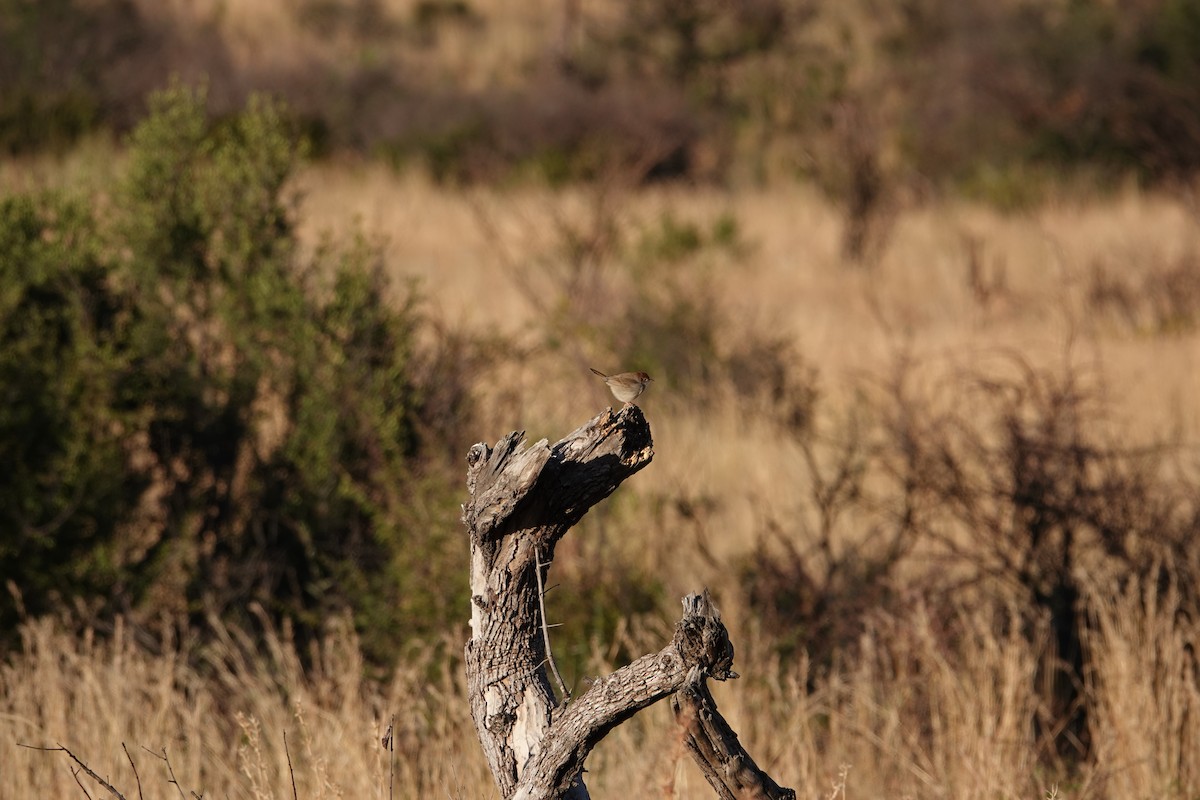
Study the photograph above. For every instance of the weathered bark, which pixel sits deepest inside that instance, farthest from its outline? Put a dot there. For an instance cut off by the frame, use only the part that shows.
(522, 501)
(714, 746)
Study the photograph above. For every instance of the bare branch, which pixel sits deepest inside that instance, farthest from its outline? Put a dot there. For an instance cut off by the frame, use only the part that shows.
(79, 783)
(291, 772)
(135, 772)
(700, 647)
(170, 772)
(389, 743)
(546, 626)
(60, 749)
(523, 500)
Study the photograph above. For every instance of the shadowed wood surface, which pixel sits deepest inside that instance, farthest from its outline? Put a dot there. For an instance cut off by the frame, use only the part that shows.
(715, 747)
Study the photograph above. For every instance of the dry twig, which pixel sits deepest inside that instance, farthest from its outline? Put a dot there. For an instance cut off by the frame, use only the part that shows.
(60, 749)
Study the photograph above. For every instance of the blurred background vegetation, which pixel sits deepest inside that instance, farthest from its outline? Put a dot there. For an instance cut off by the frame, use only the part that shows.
(924, 94)
(214, 419)
(197, 416)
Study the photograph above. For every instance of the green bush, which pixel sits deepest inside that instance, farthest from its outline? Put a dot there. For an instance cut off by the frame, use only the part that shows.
(203, 419)
(65, 489)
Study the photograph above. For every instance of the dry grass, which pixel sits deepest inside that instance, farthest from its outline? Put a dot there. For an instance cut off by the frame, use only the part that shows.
(220, 724)
(934, 707)
(846, 321)
(939, 703)
(794, 280)
(1147, 695)
(939, 700)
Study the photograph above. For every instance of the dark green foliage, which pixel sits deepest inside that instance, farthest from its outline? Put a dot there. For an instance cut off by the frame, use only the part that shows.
(63, 425)
(449, 153)
(694, 44)
(981, 97)
(55, 57)
(973, 95)
(672, 241)
(1115, 90)
(1047, 90)
(200, 419)
(600, 593)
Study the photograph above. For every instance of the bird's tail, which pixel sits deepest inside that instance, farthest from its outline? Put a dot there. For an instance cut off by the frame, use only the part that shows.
(598, 372)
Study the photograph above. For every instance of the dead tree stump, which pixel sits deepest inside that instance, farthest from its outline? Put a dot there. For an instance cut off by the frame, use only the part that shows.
(522, 501)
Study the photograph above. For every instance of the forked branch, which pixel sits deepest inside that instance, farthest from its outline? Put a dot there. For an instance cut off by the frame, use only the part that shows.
(699, 648)
(523, 500)
(84, 767)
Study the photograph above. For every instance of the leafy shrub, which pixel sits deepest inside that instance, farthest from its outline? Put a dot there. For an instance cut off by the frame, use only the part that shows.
(63, 422)
(641, 297)
(208, 417)
(1037, 90)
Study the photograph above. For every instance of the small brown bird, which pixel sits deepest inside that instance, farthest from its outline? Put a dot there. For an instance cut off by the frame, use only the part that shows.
(627, 386)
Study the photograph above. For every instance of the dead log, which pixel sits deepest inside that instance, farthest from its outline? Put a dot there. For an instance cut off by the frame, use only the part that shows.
(522, 501)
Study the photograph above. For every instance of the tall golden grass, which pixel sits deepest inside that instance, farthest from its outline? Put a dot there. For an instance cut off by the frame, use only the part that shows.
(919, 714)
(937, 703)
